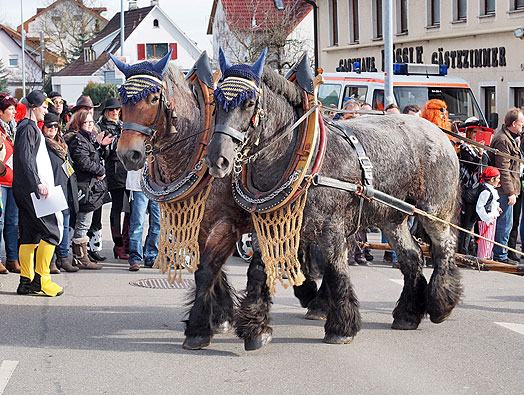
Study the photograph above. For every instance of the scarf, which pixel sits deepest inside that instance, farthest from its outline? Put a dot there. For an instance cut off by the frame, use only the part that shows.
(58, 147)
(9, 128)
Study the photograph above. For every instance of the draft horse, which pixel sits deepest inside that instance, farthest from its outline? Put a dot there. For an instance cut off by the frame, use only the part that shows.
(166, 124)
(412, 160)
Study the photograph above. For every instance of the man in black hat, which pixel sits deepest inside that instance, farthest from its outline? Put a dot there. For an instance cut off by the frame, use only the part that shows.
(33, 173)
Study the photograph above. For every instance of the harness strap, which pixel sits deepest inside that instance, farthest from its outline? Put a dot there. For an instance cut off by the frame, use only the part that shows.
(146, 130)
(365, 162)
(232, 132)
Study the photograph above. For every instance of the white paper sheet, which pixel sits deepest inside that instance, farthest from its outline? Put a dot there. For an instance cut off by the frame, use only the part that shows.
(54, 203)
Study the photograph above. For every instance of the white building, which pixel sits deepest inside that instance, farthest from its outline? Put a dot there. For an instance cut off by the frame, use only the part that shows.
(149, 33)
(11, 55)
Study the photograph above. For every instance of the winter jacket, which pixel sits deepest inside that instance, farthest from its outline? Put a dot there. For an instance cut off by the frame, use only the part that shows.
(115, 172)
(7, 179)
(88, 166)
(509, 181)
(68, 184)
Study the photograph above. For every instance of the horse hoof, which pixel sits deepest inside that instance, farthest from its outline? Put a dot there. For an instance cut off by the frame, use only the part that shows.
(257, 342)
(196, 342)
(224, 327)
(440, 319)
(404, 325)
(335, 339)
(318, 315)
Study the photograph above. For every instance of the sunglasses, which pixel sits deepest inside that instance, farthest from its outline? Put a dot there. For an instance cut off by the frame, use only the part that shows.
(52, 126)
(58, 101)
(443, 110)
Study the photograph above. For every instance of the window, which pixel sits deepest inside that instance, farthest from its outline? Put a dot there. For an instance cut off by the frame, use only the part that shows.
(377, 19)
(89, 55)
(488, 7)
(518, 97)
(460, 10)
(109, 78)
(355, 92)
(489, 101)
(329, 94)
(156, 50)
(518, 4)
(333, 21)
(155, 23)
(354, 35)
(433, 12)
(13, 60)
(402, 16)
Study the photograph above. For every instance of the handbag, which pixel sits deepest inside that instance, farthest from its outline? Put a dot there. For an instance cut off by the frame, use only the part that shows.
(85, 189)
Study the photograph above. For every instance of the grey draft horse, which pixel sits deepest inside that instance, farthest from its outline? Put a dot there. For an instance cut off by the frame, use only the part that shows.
(412, 159)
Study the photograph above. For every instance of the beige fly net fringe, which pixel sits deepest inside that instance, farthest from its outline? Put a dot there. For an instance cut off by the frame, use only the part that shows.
(178, 241)
(278, 234)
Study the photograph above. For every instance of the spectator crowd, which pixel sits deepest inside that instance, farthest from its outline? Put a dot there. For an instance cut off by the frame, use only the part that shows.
(45, 144)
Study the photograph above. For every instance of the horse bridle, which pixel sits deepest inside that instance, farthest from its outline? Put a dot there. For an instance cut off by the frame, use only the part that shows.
(150, 131)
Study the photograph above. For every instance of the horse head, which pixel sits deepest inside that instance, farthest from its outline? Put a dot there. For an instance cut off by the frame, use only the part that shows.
(238, 110)
(145, 109)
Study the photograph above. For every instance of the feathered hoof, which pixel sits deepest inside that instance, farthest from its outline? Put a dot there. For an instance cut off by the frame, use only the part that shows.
(196, 342)
(257, 342)
(439, 319)
(223, 328)
(404, 325)
(335, 339)
(316, 314)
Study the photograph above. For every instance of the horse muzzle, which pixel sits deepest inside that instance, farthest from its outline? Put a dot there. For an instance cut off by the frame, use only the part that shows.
(220, 155)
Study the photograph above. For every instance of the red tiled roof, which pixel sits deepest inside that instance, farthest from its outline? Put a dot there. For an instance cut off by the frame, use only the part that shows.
(132, 20)
(261, 14)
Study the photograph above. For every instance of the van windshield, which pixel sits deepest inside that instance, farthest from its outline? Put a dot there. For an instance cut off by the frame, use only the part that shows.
(329, 94)
(460, 101)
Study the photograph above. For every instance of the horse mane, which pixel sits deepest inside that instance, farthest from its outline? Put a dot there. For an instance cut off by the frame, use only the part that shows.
(281, 86)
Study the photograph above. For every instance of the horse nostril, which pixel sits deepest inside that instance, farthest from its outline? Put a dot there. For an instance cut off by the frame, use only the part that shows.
(134, 156)
(222, 163)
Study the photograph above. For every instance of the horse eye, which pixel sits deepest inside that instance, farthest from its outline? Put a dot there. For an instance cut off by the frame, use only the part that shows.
(154, 100)
(250, 103)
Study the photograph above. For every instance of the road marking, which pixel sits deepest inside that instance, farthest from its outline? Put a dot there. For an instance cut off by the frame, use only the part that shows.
(399, 282)
(6, 371)
(519, 328)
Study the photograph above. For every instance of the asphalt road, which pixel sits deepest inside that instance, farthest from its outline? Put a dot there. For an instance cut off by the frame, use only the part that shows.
(105, 336)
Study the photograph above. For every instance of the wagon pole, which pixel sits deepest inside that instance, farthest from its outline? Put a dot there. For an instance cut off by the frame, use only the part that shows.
(463, 260)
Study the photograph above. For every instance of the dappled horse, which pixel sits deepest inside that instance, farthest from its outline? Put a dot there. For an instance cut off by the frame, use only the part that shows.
(164, 116)
(412, 160)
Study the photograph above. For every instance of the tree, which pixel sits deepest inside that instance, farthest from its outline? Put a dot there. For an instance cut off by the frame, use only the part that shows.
(268, 27)
(99, 93)
(69, 26)
(3, 78)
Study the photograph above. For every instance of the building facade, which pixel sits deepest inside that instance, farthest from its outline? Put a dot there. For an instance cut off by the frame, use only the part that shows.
(476, 39)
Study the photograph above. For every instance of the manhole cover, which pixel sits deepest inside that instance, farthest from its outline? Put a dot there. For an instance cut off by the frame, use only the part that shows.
(162, 283)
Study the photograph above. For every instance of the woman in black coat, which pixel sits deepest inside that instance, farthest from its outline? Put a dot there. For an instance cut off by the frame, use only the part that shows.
(66, 178)
(92, 185)
(116, 175)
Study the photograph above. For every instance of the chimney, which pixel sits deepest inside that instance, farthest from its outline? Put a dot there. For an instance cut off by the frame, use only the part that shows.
(133, 5)
(155, 2)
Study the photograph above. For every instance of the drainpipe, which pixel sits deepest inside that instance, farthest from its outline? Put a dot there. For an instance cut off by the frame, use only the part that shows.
(315, 31)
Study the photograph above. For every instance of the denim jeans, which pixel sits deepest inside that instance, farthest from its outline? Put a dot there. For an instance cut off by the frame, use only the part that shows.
(139, 206)
(504, 224)
(62, 251)
(394, 256)
(83, 221)
(9, 224)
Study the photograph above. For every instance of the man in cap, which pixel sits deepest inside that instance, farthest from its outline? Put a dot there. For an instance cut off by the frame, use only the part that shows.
(33, 174)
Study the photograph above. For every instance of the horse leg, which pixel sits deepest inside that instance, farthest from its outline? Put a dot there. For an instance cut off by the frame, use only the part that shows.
(308, 290)
(444, 290)
(213, 304)
(410, 308)
(252, 318)
(343, 319)
(318, 307)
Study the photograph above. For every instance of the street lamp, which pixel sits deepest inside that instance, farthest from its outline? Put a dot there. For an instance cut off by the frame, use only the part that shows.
(519, 33)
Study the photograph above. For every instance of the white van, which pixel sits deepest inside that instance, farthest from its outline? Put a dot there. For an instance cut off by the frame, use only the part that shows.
(412, 84)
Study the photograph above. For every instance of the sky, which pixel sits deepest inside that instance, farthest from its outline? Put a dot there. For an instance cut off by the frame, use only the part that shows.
(191, 16)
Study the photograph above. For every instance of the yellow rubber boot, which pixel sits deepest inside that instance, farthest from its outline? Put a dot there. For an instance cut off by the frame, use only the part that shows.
(44, 254)
(26, 255)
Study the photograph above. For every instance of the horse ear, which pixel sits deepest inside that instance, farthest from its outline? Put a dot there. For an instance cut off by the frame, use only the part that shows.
(123, 67)
(160, 66)
(224, 64)
(258, 67)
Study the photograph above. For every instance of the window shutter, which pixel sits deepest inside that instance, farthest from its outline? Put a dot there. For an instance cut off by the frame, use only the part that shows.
(141, 49)
(174, 54)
